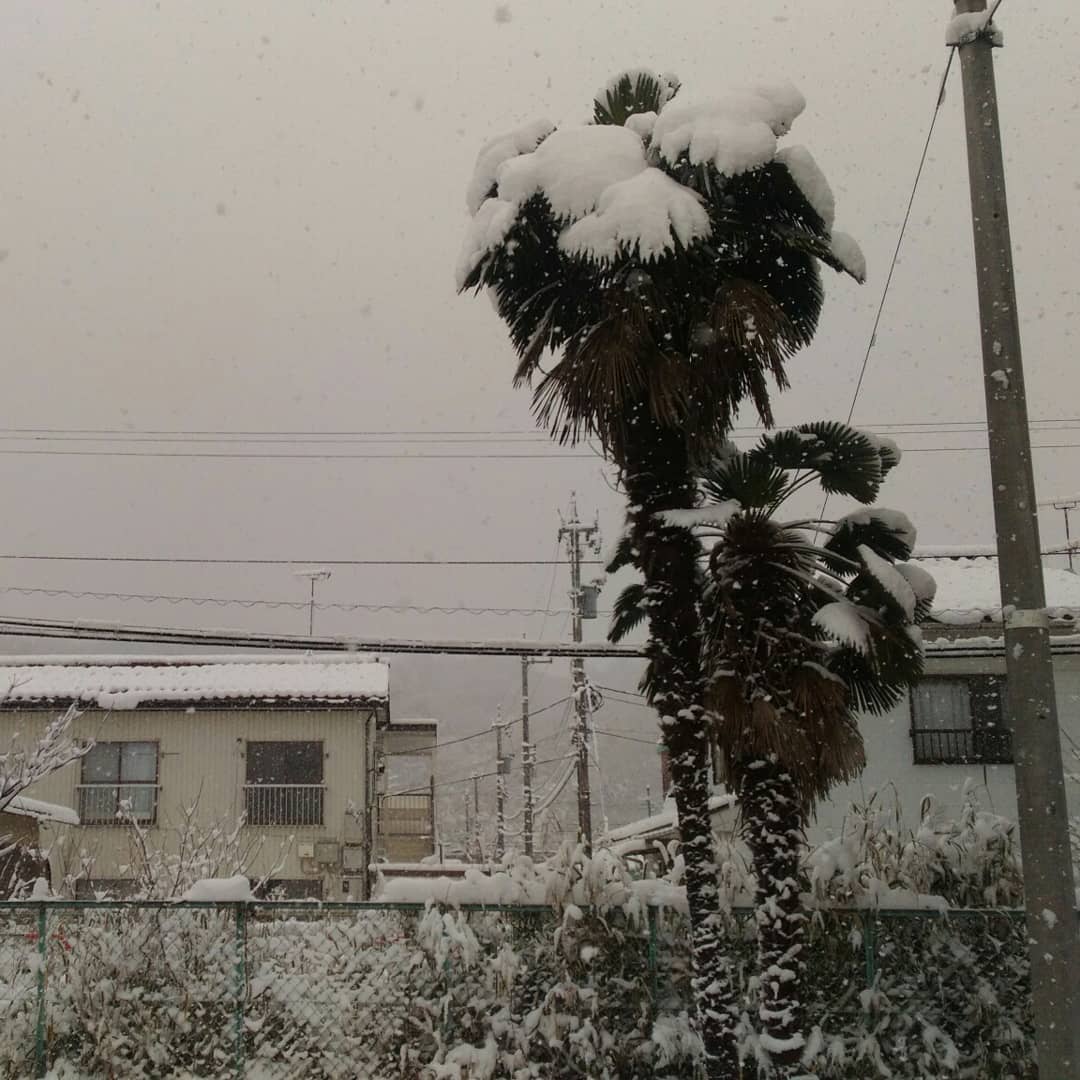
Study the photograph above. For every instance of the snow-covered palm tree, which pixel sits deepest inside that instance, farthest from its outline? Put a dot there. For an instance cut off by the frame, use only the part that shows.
(664, 259)
(805, 625)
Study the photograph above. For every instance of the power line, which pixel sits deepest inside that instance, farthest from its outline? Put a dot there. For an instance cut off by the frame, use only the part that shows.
(466, 779)
(474, 735)
(165, 432)
(616, 690)
(297, 605)
(85, 630)
(903, 229)
(524, 434)
(629, 738)
(245, 456)
(220, 456)
(219, 561)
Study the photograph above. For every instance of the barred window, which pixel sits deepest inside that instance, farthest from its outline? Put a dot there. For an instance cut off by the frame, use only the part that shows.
(284, 783)
(119, 776)
(960, 721)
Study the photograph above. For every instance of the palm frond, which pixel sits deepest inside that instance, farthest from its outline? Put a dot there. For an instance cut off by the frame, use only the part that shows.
(633, 92)
(747, 479)
(888, 536)
(629, 613)
(622, 556)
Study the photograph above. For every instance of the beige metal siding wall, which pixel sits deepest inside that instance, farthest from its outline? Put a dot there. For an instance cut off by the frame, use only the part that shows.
(201, 759)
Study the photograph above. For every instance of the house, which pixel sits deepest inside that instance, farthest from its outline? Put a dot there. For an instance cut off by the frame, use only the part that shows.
(271, 758)
(29, 830)
(948, 736)
(406, 802)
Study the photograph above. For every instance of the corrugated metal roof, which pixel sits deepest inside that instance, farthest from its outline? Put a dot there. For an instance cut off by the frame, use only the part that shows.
(968, 591)
(126, 685)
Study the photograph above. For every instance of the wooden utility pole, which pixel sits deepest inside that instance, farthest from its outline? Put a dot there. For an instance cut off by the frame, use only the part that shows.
(528, 756)
(1040, 783)
(573, 532)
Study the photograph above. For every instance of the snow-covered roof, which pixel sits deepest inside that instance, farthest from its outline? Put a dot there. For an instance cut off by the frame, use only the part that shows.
(129, 682)
(662, 823)
(43, 811)
(968, 592)
(412, 722)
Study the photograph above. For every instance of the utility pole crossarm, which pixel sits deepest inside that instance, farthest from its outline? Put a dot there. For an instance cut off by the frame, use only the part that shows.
(1040, 783)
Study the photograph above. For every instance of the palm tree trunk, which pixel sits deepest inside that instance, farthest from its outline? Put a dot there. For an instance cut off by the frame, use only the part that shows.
(658, 478)
(773, 821)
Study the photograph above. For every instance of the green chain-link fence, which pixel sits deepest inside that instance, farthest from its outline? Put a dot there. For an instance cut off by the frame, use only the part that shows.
(282, 990)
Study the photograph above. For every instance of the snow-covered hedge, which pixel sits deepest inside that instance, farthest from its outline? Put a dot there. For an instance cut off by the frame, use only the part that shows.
(596, 985)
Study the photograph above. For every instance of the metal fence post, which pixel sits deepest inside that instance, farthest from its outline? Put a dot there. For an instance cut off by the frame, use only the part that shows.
(653, 977)
(240, 972)
(869, 939)
(42, 944)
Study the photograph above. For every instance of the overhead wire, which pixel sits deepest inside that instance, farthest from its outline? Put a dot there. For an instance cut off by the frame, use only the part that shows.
(435, 457)
(222, 561)
(399, 436)
(297, 605)
(463, 779)
(474, 735)
(903, 229)
(896, 253)
(628, 738)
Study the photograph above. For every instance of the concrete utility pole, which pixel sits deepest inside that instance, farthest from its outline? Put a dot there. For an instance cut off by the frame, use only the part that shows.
(1040, 783)
(478, 846)
(528, 756)
(502, 767)
(573, 532)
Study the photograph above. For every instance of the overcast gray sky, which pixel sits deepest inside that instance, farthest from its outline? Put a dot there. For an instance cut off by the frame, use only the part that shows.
(245, 216)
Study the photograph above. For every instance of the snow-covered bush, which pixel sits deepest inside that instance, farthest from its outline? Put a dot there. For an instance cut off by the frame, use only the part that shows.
(594, 984)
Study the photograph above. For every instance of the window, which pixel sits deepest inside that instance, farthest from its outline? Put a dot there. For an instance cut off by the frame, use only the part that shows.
(284, 783)
(960, 721)
(119, 775)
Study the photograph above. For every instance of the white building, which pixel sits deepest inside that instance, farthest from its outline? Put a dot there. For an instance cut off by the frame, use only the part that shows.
(948, 736)
(285, 744)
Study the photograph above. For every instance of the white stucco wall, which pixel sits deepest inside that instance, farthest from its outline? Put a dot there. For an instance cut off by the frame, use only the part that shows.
(891, 771)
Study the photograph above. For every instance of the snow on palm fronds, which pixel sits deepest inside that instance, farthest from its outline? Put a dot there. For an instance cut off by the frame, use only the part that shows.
(805, 622)
(669, 234)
